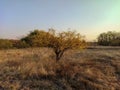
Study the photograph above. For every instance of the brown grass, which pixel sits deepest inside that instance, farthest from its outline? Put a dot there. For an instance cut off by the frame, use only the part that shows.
(36, 69)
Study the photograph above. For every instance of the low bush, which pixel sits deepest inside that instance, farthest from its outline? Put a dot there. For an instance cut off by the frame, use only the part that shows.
(5, 44)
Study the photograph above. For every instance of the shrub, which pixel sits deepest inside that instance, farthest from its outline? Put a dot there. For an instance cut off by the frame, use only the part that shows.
(5, 44)
(66, 40)
(37, 38)
(20, 44)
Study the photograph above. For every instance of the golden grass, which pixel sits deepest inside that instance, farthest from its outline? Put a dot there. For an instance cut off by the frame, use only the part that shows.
(36, 69)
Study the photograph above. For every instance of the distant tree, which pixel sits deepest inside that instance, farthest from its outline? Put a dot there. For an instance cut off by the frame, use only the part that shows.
(109, 39)
(59, 42)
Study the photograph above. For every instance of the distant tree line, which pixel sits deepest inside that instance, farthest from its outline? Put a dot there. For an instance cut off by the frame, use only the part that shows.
(11, 44)
(68, 39)
(109, 39)
(5, 44)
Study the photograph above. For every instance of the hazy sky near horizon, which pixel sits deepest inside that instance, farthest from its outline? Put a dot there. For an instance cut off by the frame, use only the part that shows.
(89, 17)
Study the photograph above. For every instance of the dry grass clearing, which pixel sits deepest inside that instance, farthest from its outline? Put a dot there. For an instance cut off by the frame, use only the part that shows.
(36, 69)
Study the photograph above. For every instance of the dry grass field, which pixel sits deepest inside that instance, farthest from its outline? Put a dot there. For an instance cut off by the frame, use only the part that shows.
(36, 69)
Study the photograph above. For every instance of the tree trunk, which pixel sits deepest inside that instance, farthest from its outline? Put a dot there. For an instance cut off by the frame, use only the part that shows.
(59, 55)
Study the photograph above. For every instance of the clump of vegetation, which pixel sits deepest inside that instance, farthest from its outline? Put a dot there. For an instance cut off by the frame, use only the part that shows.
(12, 44)
(37, 38)
(5, 44)
(20, 44)
(59, 42)
(109, 39)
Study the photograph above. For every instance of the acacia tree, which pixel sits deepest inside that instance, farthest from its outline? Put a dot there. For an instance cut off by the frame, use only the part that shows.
(59, 42)
(63, 41)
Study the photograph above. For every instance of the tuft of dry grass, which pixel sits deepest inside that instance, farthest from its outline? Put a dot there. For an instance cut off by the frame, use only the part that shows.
(36, 69)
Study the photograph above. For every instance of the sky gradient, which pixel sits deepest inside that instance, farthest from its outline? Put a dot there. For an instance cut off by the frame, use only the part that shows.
(89, 17)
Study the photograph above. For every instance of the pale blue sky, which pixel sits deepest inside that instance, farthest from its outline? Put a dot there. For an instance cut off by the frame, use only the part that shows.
(89, 17)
